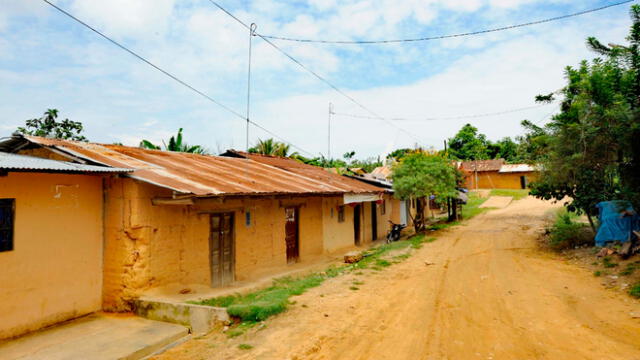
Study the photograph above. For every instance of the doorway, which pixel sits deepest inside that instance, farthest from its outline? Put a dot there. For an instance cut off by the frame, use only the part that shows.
(523, 182)
(222, 254)
(292, 238)
(374, 222)
(356, 224)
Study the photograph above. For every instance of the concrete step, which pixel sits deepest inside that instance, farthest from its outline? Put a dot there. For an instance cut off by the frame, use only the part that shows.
(95, 337)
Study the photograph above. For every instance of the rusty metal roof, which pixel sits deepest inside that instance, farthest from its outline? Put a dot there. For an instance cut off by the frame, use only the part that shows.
(482, 165)
(201, 175)
(319, 174)
(16, 162)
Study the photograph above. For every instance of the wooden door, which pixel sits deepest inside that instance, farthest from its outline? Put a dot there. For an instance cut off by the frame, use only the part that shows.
(374, 222)
(356, 224)
(221, 247)
(291, 234)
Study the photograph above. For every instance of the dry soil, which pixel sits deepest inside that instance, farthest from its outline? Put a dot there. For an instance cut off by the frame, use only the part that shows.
(483, 290)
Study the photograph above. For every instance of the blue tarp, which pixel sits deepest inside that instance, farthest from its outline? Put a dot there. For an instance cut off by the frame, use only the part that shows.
(617, 220)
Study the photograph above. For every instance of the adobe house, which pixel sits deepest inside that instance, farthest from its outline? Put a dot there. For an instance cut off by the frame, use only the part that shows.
(403, 210)
(181, 218)
(369, 213)
(517, 176)
(496, 174)
(51, 238)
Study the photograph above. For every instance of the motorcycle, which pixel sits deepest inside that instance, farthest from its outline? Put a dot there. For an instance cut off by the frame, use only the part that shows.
(394, 232)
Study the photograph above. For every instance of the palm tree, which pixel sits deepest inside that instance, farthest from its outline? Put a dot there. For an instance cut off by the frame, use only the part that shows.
(175, 144)
(272, 147)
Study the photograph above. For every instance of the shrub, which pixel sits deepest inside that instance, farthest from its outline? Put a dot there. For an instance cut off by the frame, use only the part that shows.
(567, 233)
(635, 291)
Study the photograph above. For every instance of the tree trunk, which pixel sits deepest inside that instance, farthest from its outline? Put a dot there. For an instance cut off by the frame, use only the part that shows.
(593, 227)
(419, 219)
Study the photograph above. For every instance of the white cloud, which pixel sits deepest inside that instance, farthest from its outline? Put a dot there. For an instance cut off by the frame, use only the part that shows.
(121, 99)
(125, 17)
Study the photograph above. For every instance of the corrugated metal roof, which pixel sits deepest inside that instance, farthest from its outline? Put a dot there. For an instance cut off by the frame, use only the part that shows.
(319, 174)
(482, 165)
(511, 168)
(201, 175)
(382, 172)
(10, 161)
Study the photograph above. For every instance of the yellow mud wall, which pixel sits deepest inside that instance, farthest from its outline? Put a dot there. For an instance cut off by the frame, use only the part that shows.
(496, 180)
(311, 228)
(54, 272)
(150, 245)
(393, 205)
(337, 235)
(383, 219)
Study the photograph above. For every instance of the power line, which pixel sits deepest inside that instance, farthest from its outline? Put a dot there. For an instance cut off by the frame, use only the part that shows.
(440, 37)
(173, 77)
(315, 74)
(445, 117)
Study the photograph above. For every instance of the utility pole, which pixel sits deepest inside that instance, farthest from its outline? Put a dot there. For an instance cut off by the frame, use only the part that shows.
(329, 132)
(252, 32)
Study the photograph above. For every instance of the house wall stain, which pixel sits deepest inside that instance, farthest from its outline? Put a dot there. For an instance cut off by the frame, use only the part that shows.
(54, 272)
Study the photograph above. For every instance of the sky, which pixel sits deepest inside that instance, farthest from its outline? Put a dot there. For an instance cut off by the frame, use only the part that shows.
(49, 61)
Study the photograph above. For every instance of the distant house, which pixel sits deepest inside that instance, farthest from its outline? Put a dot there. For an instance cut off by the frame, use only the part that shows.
(496, 174)
(51, 241)
(177, 218)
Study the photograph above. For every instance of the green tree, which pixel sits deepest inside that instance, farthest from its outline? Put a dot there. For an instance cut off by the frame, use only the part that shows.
(420, 175)
(505, 148)
(48, 126)
(533, 146)
(398, 154)
(592, 152)
(468, 144)
(175, 144)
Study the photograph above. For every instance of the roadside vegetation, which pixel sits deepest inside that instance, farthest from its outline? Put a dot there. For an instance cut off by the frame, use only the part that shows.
(572, 237)
(516, 194)
(567, 232)
(591, 151)
(255, 307)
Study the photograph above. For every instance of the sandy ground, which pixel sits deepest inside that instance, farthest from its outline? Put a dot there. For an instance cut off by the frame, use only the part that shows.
(489, 294)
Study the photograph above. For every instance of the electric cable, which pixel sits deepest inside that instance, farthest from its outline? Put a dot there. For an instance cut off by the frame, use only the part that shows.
(173, 77)
(461, 117)
(315, 74)
(440, 37)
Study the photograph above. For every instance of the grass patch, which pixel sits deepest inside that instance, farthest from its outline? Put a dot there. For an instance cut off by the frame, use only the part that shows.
(567, 233)
(241, 329)
(635, 291)
(257, 306)
(516, 194)
(402, 257)
(630, 269)
(597, 273)
(472, 207)
(273, 300)
(358, 283)
(608, 263)
(354, 288)
(245, 347)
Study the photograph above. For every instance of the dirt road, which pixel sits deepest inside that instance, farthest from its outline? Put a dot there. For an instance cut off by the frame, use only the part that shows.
(489, 294)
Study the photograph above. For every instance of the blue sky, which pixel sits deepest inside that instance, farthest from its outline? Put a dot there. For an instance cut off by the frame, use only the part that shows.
(49, 61)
